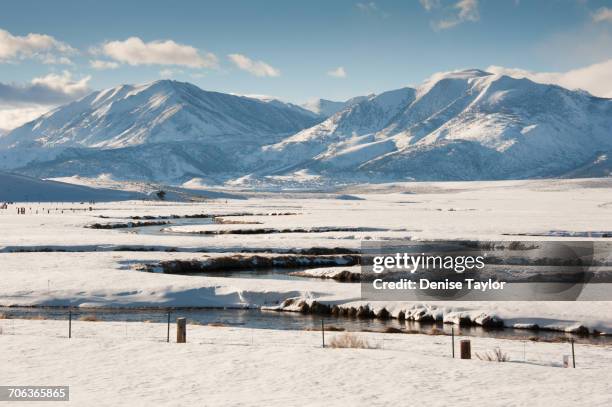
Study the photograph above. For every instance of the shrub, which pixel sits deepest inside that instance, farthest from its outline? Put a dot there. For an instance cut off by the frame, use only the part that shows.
(89, 318)
(349, 340)
(496, 356)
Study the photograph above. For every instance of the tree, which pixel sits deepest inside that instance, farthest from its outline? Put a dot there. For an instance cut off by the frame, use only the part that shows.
(161, 195)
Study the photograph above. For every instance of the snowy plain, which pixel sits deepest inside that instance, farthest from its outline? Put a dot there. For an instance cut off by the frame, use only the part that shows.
(129, 364)
(52, 258)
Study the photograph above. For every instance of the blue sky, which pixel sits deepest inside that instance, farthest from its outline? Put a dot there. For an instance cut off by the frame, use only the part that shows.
(294, 50)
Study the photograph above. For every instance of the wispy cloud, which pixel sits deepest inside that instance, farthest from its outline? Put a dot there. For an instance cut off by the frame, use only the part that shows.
(34, 46)
(371, 7)
(458, 13)
(257, 68)
(595, 78)
(101, 65)
(134, 51)
(604, 14)
(430, 4)
(338, 72)
(170, 73)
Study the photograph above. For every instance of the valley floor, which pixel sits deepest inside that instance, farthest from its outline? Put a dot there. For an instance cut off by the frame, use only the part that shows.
(56, 255)
(50, 257)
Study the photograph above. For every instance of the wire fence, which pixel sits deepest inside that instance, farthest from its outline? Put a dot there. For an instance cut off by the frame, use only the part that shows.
(161, 328)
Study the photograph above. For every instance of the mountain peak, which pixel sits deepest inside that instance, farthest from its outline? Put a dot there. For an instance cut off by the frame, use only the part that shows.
(466, 75)
(156, 112)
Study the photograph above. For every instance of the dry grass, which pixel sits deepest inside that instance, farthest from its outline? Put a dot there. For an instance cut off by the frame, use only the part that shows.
(496, 356)
(34, 317)
(89, 318)
(349, 340)
(393, 330)
(217, 324)
(222, 221)
(328, 328)
(437, 331)
(3, 316)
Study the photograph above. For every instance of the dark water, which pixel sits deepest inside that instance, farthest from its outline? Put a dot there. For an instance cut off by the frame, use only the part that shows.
(253, 318)
(265, 274)
(157, 230)
(268, 274)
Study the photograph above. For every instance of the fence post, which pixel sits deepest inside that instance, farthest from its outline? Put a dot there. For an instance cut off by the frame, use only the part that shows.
(168, 333)
(70, 324)
(453, 340)
(466, 349)
(323, 332)
(573, 355)
(181, 330)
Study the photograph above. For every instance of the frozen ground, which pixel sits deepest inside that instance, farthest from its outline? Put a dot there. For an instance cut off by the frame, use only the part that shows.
(127, 364)
(50, 258)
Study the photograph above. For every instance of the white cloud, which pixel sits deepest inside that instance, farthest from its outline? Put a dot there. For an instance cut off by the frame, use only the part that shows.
(51, 89)
(22, 103)
(100, 64)
(257, 68)
(135, 51)
(429, 5)
(40, 46)
(596, 78)
(338, 72)
(463, 11)
(12, 117)
(604, 14)
(63, 83)
(169, 73)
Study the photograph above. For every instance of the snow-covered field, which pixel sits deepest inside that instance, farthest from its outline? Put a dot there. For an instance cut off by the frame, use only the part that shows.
(51, 258)
(128, 364)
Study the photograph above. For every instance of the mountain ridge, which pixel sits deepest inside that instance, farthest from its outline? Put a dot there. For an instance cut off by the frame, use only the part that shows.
(468, 124)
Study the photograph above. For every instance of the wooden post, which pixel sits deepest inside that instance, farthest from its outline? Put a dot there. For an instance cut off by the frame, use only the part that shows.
(573, 355)
(323, 332)
(168, 334)
(181, 330)
(70, 324)
(453, 340)
(466, 349)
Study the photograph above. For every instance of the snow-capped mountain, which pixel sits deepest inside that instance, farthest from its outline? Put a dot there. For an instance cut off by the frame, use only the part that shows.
(160, 130)
(158, 112)
(326, 108)
(460, 125)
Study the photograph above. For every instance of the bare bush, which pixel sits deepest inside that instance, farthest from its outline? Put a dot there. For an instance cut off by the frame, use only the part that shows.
(349, 340)
(496, 356)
